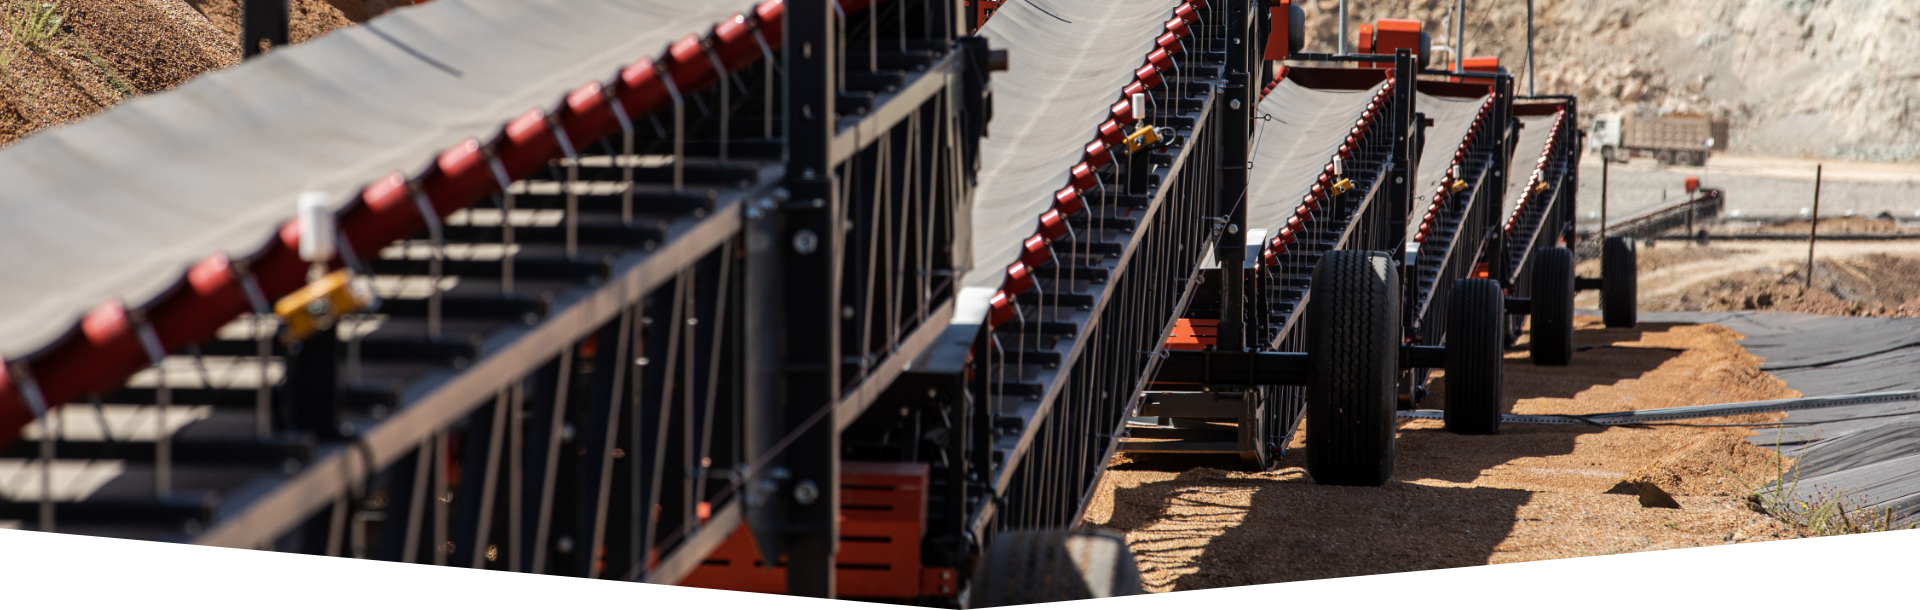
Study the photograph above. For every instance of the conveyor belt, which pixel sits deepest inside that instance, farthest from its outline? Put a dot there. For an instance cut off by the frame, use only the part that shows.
(1068, 60)
(1532, 145)
(100, 220)
(1299, 130)
(1452, 117)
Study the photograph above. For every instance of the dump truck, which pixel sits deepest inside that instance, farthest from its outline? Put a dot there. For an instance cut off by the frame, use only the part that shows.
(1671, 139)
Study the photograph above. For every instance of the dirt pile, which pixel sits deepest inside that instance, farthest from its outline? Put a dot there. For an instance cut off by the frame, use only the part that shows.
(1792, 77)
(1873, 284)
(66, 60)
(1532, 492)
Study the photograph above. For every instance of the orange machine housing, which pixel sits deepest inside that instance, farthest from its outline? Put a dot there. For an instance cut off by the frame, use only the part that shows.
(882, 520)
(1476, 64)
(1193, 335)
(1277, 34)
(986, 9)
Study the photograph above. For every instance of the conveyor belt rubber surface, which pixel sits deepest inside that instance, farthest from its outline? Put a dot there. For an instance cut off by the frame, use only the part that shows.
(1299, 130)
(1532, 145)
(119, 206)
(1452, 117)
(1068, 60)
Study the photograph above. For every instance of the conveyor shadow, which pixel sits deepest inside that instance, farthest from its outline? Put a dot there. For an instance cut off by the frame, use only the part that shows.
(1210, 526)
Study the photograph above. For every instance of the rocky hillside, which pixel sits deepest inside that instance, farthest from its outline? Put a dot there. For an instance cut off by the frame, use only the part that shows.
(1832, 78)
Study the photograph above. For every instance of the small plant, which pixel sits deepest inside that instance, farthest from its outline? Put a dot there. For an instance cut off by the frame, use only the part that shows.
(1824, 514)
(36, 25)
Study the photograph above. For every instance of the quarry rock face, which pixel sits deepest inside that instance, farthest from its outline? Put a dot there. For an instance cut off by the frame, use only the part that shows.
(1792, 78)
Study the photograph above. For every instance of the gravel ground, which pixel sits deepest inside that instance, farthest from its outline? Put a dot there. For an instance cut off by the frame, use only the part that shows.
(1532, 492)
(111, 50)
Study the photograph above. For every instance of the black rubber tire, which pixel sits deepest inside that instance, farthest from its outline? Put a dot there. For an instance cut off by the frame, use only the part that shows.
(1619, 283)
(1032, 567)
(1550, 341)
(1474, 356)
(1353, 338)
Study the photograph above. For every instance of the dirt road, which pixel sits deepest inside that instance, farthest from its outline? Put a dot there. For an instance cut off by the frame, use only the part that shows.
(1532, 492)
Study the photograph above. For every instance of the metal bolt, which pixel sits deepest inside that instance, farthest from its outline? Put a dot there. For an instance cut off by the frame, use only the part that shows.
(566, 433)
(933, 393)
(1233, 229)
(846, 312)
(805, 241)
(1234, 104)
(805, 492)
(564, 545)
(807, 173)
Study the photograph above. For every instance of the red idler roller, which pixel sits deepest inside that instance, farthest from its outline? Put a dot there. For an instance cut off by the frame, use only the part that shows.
(1110, 133)
(1296, 224)
(1160, 60)
(1083, 178)
(1035, 252)
(1286, 236)
(1000, 309)
(1178, 27)
(1019, 280)
(1345, 152)
(1187, 11)
(1053, 226)
(1148, 77)
(1169, 43)
(1271, 258)
(1132, 88)
(1122, 112)
(1310, 203)
(1303, 212)
(1097, 155)
(1068, 201)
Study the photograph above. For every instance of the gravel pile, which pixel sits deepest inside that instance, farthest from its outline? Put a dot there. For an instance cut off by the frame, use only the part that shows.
(102, 52)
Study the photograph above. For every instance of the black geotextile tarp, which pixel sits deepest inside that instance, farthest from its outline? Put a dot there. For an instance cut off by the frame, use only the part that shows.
(1067, 61)
(119, 205)
(1534, 130)
(1299, 130)
(1871, 453)
(1452, 117)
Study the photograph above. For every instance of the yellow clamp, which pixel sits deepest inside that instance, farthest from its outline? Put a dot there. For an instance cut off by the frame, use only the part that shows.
(1459, 185)
(316, 306)
(1342, 186)
(1540, 187)
(1143, 137)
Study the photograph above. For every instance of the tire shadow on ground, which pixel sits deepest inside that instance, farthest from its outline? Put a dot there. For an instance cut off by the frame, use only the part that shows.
(1200, 522)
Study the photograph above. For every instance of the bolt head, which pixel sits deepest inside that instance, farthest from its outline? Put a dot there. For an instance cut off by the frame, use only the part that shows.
(805, 492)
(805, 242)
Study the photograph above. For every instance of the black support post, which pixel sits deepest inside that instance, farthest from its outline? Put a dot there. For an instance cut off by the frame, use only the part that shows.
(810, 249)
(262, 21)
(1235, 128)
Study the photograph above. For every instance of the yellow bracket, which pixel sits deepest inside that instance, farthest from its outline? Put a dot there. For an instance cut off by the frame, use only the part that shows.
(1342, 186)
(316, 306)
(1143, 137)
(1540, 187)
(1459, 185)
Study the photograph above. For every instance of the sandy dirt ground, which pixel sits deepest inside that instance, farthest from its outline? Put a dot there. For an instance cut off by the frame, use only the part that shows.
(1532, 492)
(103, 52)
